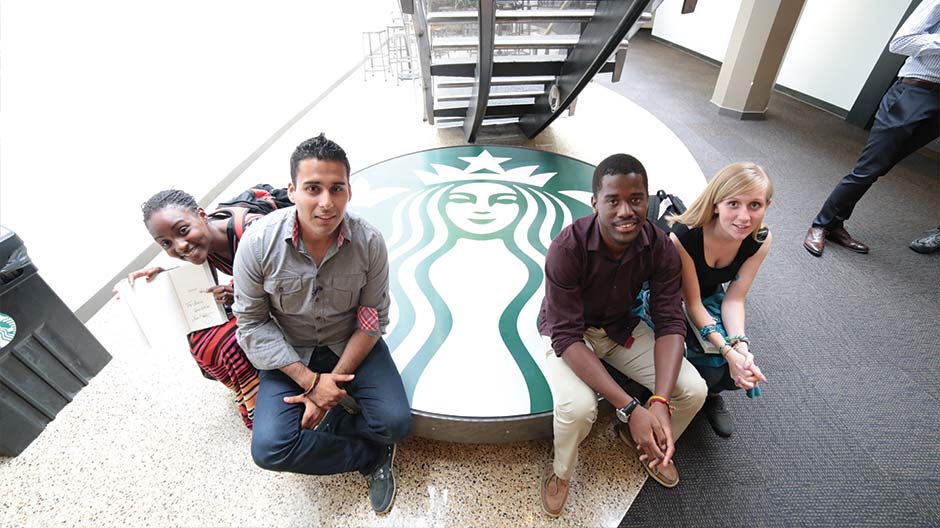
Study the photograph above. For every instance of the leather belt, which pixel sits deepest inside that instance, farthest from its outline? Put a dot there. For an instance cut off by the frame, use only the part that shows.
(914, 81)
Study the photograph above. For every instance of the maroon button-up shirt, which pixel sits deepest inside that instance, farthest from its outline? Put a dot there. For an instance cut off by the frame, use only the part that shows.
(585, 286)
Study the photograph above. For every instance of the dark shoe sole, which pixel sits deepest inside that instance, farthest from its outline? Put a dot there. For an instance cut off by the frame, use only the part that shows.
(723, 434)
(857, 250)
(924, 251)
(720, 432)
(391, 502)
(812, 251)
(863, 251)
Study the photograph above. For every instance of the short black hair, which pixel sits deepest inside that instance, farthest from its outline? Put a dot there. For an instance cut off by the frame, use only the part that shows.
(168, 198)
(318, 148)
(620, 164)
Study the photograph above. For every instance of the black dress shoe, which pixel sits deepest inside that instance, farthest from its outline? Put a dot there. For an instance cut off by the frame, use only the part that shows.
(842, 237)
(815, 241)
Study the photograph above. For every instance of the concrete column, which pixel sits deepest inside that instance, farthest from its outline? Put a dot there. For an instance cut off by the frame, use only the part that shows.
(758, 43)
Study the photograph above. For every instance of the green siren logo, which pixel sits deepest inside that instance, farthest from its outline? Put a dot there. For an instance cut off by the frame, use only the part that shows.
(467, 229)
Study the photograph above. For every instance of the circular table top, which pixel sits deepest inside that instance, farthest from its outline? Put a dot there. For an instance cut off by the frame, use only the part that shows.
(467, 229)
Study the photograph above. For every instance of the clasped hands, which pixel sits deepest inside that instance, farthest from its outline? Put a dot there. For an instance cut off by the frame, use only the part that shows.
(324, 397)
(744, 372)
(651, 431)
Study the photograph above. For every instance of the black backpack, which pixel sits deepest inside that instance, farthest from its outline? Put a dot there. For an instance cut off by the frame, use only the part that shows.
(661, 205)
(260, 198)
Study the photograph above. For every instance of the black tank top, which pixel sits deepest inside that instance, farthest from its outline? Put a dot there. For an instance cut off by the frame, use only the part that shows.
(710, 279)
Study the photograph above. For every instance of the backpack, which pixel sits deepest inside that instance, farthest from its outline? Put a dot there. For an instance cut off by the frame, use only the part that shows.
(260, 199)
(662, 205)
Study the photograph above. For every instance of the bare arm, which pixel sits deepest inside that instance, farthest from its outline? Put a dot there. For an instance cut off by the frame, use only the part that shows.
(692, 295)
(732, 308)
(667, 357)
(357, 348)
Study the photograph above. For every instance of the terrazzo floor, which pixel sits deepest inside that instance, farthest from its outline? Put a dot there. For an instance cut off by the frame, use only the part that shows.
(150, 442)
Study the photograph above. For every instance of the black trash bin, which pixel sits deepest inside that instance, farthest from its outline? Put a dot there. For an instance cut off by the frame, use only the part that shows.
(46, 354)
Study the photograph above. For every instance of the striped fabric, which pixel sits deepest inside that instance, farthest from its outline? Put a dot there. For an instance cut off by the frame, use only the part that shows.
(215, 349)
(217, 352)
(919, 39)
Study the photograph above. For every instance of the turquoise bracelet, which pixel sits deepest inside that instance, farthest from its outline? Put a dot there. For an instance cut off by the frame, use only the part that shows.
(708, 329)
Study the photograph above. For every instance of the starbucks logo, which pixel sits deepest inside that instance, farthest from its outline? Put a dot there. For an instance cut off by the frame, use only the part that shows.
(467, 229)
(7, 329)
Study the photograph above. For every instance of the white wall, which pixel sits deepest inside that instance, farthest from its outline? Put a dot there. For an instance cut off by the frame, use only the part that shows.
(706, 30)
(104, 102)
(835, 46)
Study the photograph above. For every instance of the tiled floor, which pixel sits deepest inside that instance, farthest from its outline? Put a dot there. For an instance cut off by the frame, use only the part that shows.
(150, 442)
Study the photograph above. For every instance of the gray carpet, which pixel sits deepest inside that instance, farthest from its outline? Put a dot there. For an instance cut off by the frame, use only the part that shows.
(847, 431)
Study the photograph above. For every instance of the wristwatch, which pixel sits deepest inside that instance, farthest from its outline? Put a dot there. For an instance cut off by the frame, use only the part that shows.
(623, 413)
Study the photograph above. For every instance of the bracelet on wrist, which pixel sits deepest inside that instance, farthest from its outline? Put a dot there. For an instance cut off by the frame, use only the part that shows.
(722, 350)
(733, 340)
(708, 329)
(659, 399)
(313, 386)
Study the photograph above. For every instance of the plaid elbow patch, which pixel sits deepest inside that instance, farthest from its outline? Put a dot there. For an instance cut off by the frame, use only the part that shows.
(368, 319)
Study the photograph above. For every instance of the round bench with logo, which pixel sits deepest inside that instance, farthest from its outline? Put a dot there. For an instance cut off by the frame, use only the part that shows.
(467, 229)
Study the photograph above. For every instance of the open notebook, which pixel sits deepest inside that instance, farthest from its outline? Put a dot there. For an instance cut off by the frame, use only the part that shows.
(174, 304)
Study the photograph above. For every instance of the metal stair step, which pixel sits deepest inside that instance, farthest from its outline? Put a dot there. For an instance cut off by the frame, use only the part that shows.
(454, 122)
(501, 110)
(526, 66)
(514, 15)
(467, 82)
(493, 96)
(507, 42)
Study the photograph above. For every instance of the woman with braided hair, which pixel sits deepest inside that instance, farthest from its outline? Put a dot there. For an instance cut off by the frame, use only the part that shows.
(185, 231)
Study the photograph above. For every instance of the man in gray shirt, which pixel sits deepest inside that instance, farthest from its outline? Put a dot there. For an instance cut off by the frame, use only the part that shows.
(311, 298)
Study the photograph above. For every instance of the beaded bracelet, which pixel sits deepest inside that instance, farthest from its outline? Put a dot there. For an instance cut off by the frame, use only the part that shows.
(733, 340)
(708, 329)
(722, 350)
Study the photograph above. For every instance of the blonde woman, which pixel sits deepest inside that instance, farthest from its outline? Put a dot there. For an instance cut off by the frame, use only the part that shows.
(721, 239)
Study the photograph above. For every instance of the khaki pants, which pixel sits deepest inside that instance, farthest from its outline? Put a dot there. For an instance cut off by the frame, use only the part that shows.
(576, 403)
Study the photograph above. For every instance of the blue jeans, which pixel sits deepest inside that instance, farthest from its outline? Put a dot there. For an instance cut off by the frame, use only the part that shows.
(278, 442)
(907, 119)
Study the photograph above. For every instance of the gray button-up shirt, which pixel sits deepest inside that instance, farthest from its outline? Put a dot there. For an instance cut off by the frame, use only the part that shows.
(286, 305)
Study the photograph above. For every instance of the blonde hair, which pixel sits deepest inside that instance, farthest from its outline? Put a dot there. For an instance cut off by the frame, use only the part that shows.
(737, 178)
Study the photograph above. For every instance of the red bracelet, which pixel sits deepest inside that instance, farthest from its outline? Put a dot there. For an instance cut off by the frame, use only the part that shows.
(655, 398)
(313, 385)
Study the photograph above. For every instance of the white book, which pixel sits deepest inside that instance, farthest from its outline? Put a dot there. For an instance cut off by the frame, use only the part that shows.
(173, 304)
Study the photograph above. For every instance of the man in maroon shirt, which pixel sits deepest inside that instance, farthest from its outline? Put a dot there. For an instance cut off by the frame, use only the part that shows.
(594, 269)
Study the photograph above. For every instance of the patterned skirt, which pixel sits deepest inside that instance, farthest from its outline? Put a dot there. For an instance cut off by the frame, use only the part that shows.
(217, 353)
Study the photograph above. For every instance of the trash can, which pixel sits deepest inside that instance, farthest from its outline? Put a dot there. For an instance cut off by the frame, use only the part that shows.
(46, 354)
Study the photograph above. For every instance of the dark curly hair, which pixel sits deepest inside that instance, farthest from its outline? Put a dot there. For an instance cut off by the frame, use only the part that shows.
(318, 148)
(619, 164)
(167, 198)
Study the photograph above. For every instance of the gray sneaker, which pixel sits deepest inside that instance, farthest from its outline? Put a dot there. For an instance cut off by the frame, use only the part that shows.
(382, 481)
(718, 416)
(929, 243)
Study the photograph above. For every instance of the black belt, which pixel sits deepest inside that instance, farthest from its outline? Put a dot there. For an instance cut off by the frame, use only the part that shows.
(914, 81)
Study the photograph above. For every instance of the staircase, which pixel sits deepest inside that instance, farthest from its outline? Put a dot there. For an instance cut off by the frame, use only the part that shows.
(489, 62)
